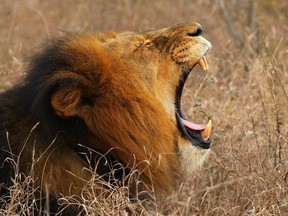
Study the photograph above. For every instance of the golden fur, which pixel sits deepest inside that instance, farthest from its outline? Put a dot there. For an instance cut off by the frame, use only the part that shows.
(109, 92)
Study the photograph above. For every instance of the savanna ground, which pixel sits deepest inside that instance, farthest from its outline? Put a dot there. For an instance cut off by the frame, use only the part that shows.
(245, 93)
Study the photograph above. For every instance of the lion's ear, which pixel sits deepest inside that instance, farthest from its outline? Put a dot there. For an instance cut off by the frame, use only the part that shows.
(66, 101)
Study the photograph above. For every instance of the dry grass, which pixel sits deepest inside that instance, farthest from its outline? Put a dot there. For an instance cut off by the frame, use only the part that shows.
(244, 92)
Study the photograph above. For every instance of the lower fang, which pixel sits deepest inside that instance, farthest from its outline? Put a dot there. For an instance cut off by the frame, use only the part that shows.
(207, 132)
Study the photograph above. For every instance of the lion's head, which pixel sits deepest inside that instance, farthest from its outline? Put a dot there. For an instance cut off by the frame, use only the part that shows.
(118, 91)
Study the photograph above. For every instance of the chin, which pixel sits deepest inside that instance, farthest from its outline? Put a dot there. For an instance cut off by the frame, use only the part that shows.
(192, 157)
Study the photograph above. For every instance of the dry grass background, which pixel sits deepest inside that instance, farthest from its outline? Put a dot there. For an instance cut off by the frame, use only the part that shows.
(245, 92)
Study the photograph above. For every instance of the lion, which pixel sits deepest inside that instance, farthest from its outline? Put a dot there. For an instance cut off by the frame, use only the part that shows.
(115, 94)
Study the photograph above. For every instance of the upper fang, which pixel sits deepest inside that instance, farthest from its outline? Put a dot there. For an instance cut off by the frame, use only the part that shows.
(203, 63)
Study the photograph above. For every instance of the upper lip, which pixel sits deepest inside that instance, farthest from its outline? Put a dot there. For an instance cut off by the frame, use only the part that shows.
(198, 135)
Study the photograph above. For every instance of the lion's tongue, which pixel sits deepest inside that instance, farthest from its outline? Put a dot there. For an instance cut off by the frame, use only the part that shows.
(206, 129)
(193, 126)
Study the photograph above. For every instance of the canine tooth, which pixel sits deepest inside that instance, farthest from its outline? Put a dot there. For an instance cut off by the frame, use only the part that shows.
(207, 132)
(206, 63)
(203, 63)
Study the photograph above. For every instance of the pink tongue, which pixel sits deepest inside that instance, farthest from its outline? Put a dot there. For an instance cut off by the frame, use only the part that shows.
(193, 126)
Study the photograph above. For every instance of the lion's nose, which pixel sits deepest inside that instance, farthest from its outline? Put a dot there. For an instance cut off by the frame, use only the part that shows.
(197, 32)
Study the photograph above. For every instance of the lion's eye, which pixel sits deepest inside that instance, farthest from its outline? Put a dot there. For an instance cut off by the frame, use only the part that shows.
(148, 43)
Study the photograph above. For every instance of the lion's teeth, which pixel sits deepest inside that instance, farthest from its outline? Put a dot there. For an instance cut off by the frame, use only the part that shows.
(207, 132)
(203, 63)
(206, 63)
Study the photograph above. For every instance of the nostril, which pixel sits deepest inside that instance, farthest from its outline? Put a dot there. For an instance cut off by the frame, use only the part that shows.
(198, 32)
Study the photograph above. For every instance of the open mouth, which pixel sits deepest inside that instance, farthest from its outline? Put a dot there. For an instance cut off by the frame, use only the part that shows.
(197, 134)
